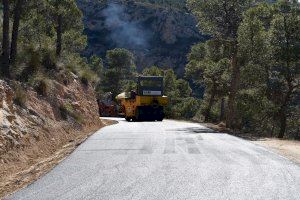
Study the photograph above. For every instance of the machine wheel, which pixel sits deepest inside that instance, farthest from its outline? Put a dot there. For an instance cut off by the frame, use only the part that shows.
(128, 119)
(160, 119)
(149, 113)
(137, 114)
(160, 114)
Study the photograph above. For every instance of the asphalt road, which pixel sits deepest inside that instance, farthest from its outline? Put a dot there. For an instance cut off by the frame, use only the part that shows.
(167, 160)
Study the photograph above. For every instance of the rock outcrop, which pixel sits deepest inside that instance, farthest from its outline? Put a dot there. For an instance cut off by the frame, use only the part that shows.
(157, 35)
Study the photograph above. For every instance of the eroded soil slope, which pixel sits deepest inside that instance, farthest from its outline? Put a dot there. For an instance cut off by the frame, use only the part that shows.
(38, 134)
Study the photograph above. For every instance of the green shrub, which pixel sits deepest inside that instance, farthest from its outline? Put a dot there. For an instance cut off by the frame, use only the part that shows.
(87, 76)
(16, 71)
(20, 97)
(49, 60)
(199, 116)
(67, 110)
(42, 87)
(74, 63)
(187, 108)
(71, 68)
(34, 64)
(40, 83)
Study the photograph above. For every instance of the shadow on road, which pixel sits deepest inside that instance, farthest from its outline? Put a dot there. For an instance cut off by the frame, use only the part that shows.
(193, 130)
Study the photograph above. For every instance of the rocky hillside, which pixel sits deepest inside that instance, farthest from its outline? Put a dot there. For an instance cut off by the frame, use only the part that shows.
(37, 131)
(158, 35)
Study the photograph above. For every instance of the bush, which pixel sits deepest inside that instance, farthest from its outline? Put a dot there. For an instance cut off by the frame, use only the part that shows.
(34, 62)
(33, 65)
(49, 60)
(67, 110)
(40, 83)
(74, 63)
(255, 112)
(42, 88)
(20, 97)
(215, 112)
(16, 71)
(87, 76)
(187, 108)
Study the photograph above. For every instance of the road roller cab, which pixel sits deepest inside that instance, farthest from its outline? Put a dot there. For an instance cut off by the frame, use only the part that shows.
(147, 102)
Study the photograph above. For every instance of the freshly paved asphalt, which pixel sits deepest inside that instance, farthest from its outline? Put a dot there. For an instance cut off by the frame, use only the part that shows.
(167, 160)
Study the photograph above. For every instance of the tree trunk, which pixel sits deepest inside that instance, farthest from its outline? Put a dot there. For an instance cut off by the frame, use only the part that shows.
(222, 111)
(59, 35)
(15, 31)
(5, 42)
(210, 104)
(283, 110)
(234, 86)
(283, 120)
(289, 80)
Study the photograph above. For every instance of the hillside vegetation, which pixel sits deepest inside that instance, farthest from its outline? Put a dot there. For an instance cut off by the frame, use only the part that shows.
(155, 34)
(250, 66)
(47, 99)
(178, 4)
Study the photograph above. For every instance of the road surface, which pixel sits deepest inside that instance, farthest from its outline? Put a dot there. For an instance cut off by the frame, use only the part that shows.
(166, 161)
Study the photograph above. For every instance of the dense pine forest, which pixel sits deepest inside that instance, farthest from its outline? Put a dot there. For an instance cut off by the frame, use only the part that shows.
(40, 38)
(251, 63)
(177, 4)
(248, 65)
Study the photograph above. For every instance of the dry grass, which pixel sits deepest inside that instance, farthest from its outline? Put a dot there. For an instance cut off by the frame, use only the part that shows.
(287, 148)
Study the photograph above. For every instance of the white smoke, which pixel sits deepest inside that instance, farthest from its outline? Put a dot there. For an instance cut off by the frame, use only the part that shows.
(125, 33)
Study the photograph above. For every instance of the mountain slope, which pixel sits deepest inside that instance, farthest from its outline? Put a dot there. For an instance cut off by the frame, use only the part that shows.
(157, 34)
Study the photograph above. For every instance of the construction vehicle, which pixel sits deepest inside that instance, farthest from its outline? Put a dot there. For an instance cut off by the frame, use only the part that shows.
(107, 107)
(147, 102)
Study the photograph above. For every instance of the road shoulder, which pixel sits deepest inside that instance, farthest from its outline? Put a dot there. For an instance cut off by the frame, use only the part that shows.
(287, 148)
(284, 147)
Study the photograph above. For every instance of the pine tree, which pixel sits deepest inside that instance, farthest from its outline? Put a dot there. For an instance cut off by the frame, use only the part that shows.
(221, 20)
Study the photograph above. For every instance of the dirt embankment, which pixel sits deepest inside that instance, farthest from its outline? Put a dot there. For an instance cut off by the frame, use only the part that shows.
(287, 148)
(36, 136)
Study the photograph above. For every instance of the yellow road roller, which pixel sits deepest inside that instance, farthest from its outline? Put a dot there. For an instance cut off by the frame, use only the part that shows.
(147, 102)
